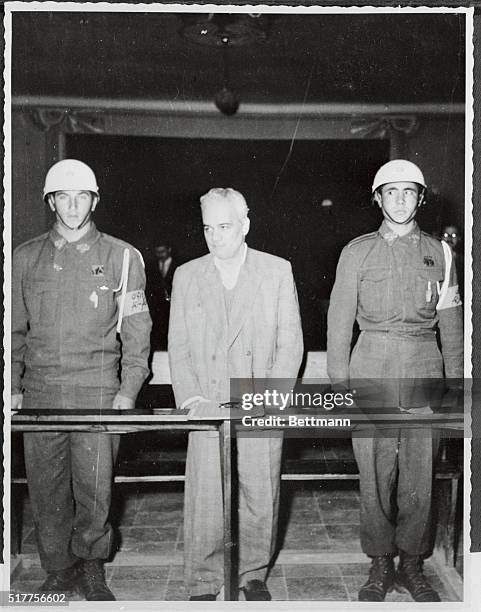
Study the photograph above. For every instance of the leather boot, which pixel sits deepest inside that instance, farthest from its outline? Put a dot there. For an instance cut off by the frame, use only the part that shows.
(92, 581)
(380, 581)
(410, 576)
(60, 581)
(256, 590)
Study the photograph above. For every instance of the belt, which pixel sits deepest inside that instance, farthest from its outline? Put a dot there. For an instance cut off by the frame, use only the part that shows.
(418, 334)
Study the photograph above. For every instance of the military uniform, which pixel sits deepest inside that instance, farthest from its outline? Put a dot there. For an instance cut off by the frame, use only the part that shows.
(66, 299)
(391, 285)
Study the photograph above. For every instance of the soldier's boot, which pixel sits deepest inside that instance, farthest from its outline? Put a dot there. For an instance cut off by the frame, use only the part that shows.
(409, 575)
(92, 581)
(60, 581)
(380, 581)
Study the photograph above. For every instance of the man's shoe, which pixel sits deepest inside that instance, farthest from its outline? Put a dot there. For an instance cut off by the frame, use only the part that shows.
(206, 597)
(60, 581)
(92, 581)
(380, 581)
(256, 590)
(410, 576)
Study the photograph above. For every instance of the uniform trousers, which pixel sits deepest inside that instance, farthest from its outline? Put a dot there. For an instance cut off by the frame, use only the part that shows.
(396, 465)
(396, 479)
(259, 467)
(69, 477)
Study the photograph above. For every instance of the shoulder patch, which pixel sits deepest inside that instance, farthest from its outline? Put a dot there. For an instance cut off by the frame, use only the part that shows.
(115, 240)
(363, 238)
(432, 239)
(123, 245)
(40, 238)
(430, 236)
(433, 242)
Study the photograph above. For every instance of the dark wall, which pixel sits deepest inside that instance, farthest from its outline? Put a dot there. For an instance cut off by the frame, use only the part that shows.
(150, 189)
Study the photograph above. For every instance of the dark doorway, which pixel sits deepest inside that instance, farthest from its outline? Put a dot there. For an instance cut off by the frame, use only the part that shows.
(150, 189)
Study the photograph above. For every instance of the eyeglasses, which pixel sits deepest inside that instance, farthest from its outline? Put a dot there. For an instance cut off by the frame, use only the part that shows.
(453, 235)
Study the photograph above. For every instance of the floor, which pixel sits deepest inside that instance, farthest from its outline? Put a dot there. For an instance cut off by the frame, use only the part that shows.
(319, 559)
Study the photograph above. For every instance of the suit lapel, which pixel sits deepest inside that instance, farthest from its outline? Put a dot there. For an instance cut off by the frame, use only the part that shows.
(246, 289)
(212, 296)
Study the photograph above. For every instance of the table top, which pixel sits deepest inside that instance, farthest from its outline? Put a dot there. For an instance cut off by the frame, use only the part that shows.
(172, 416)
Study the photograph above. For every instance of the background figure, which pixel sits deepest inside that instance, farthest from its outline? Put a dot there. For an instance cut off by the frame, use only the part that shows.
(160, 272)
(453, 237)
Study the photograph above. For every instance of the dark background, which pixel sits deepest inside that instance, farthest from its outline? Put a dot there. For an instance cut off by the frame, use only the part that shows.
(287, 216)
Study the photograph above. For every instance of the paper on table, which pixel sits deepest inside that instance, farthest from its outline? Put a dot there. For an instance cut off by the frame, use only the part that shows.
(212, 410)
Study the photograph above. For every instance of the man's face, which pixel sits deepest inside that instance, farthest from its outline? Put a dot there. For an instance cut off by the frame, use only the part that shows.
(224, 231)
(162, 252)
(451, 235)
(72, 207)
(398, 201)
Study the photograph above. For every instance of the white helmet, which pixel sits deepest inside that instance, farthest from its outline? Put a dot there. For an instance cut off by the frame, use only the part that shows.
(70, 174)
(398, 170)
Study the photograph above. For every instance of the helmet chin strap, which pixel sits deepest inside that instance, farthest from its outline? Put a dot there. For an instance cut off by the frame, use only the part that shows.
(408, 220)
(411, 216)
(79, 227)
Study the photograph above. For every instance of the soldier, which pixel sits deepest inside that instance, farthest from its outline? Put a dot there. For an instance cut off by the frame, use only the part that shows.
(400, 285)
(73, 290)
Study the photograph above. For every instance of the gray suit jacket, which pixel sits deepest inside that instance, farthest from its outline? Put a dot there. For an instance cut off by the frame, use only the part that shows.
(261, 337)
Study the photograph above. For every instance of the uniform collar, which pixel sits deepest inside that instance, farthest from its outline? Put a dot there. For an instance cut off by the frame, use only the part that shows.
(390, 237)
(82, 245)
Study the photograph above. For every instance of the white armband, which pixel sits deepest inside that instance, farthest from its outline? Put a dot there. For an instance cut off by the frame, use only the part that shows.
(449, 298)
(134, 303)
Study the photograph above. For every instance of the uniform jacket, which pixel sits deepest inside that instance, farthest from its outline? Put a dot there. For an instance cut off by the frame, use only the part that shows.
(390, 283)
(65, 306)
(261, 337)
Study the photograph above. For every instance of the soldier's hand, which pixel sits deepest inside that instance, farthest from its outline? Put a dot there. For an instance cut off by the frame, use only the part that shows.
(123, 403)
(17, 399)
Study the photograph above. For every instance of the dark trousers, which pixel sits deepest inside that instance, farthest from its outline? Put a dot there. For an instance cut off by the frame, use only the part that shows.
(69, 479)
(396, 478)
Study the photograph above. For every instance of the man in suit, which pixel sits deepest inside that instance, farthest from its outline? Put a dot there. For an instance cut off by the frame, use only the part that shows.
(234, 314)
(159, 273)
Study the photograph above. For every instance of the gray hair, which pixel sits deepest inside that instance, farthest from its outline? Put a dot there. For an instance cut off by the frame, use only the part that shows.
(226, 195)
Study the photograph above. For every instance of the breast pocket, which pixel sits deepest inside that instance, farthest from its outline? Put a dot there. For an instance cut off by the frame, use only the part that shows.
(41, 299)
(96, 302)
(426, 288)
(376, 292)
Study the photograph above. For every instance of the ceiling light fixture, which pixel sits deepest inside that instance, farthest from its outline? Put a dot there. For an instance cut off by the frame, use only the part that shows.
(225, 30)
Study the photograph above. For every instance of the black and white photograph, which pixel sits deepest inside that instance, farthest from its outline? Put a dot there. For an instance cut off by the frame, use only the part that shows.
(238, 281)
